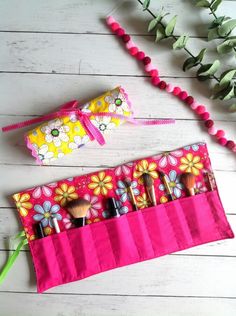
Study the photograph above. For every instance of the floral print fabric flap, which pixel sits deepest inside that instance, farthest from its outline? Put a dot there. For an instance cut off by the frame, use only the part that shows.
(63, 135)
(48, 201)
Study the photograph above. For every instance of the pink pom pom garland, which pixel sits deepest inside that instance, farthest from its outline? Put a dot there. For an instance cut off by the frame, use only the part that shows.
(200, 110)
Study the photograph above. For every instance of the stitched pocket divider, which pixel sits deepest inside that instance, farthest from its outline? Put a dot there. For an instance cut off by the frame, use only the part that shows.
(137, 236)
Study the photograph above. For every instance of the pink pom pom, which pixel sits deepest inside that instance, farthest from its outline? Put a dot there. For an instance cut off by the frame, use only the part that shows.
(220, 133)
(130, 44)
(189, 100)
(154, 73)
(110, 20)
(115, 26)
(212, 130)
(155, 80)
(169, 87)
(194, 105)
(120, 32)
(176, 90)
(222, 141)
(146, 60)
(200, 109)
(183, 95)
(149, 67)
(205, 116)
(162, 85)
(125, 38)
(140, 55)
(230, 144)
(133, 51)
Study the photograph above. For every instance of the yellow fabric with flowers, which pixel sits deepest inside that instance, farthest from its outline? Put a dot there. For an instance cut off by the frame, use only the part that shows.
(63, 135)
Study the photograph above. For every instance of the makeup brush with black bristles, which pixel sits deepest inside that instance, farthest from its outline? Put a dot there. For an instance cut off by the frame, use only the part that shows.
(131, 194)
(188, 179)
(78, 209)
(149, 186)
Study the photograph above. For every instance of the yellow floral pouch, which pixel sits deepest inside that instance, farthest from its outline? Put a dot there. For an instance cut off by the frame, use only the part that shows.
(67, 132)
(72, 126)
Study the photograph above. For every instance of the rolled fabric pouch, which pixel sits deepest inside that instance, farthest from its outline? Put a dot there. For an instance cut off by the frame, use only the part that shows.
(72, 129)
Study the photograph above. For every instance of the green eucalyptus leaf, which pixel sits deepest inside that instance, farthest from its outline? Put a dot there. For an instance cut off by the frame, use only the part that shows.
(146, 4)
(189, 63)
(224, 93)
(212, 34)
(201, 55)
(194, 61)
(226, 77)
(152, 25)
(160, 33)
(218, 21)
(226, 28)
(215, 5)
(202, 4)
(228, 93)
(203, 78)
(227, 45)
(208, 69)
(218, 91)
(232, 107)
(170, 26)
(224, 48)
(181, 42)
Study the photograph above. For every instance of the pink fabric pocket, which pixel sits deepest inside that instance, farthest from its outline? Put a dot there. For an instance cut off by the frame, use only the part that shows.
(136, 236)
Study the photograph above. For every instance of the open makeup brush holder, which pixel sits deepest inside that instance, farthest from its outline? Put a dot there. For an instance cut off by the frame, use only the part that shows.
(108, 243)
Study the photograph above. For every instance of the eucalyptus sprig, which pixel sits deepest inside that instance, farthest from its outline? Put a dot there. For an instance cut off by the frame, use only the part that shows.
(225, 87)
(220, 28)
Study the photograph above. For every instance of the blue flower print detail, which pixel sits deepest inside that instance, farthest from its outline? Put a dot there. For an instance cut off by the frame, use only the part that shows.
(46, 212)
(174, 183)
(194, 147)
(122, 208)
(106, 214)
(122, 190)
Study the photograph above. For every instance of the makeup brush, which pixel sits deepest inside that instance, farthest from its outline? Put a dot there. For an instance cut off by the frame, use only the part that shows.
(166, 185)
(188, 180)
(148, 183)
(78, 209)
(209, 179)
(56, 226)
(131, 194)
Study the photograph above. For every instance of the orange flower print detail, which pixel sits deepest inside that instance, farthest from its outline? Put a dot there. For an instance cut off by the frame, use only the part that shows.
(101, 183)
(163, 199)
(142, 201)
(144, 167)
(27, 234)
(22, 203)
(65, 194)
(191, 164)
(90, 221)
(47, 231)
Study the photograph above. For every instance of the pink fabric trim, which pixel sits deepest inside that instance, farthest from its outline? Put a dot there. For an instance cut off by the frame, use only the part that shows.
(137, 236)
(32, 149)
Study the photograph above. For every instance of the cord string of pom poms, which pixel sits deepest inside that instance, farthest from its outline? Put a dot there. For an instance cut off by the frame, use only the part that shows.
(199, 109)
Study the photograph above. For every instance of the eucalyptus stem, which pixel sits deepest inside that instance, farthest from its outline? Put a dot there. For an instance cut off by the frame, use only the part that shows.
(213, 12)
(175, 37)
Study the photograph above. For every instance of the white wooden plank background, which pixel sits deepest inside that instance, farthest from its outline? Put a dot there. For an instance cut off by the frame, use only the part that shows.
(54, 51)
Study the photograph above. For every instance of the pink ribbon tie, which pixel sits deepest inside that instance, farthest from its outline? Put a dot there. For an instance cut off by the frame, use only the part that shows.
(71, 108)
